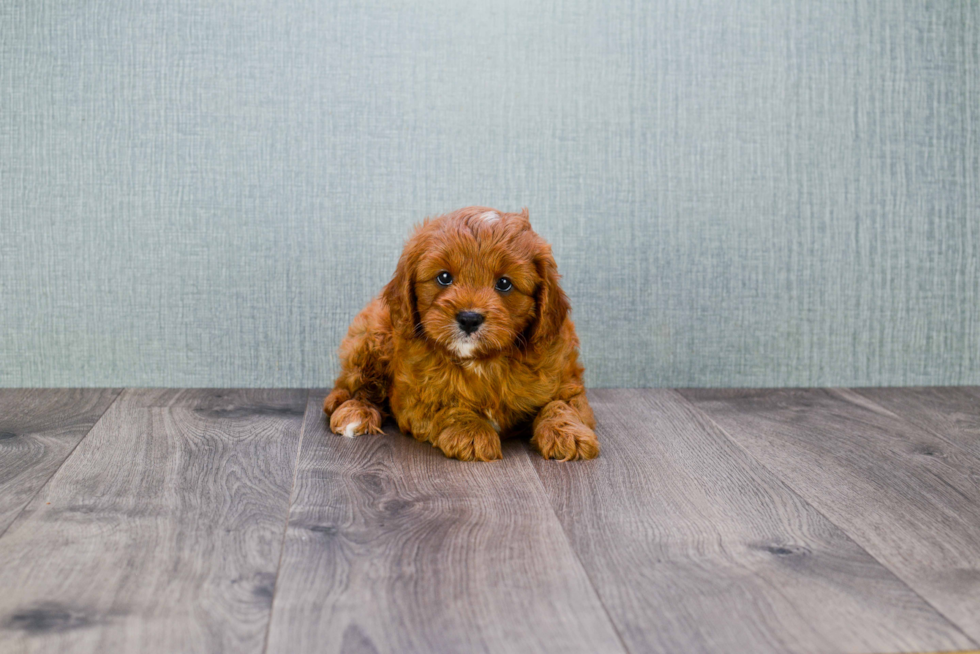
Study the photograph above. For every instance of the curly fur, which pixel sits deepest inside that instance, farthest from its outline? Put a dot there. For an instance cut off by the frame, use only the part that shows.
(518, 374)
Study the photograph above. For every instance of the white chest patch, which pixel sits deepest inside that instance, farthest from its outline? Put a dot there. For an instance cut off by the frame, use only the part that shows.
(465, 350)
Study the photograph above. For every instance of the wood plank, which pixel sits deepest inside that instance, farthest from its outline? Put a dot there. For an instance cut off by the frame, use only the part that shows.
(161, 532)
(905, 495)
(950, 412)
(695, 547)
(38, 429)
(391, 547)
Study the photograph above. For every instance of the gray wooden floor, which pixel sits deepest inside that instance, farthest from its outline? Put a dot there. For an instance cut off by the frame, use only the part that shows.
(714, 521)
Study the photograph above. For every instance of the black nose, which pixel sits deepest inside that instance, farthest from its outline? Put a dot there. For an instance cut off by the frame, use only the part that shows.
(469, 321)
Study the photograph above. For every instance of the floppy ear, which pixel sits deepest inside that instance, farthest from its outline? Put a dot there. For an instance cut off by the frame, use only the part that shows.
(399, 293)
(552, 303)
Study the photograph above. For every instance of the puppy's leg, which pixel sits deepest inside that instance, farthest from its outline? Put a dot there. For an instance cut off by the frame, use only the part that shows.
(462, 434)
(563, 430)
(354, 405)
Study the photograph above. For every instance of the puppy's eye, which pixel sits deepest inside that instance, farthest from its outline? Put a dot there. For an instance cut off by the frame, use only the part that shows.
(504, 285)
(444, 278)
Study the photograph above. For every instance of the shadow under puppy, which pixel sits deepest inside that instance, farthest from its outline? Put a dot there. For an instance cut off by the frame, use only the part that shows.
(470, 342)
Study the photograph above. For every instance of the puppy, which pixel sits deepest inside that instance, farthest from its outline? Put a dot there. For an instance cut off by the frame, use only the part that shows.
(469, 342)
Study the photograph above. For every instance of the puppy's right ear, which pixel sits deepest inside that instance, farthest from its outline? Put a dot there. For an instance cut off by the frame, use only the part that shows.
(399, 293)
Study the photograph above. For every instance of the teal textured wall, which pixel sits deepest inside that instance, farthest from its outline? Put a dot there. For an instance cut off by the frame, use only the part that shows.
(738, 193)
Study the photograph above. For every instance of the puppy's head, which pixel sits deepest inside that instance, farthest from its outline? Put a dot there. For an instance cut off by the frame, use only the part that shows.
(476, 282)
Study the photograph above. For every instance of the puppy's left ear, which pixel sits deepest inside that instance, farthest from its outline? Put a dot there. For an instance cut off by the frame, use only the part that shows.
(552, 303)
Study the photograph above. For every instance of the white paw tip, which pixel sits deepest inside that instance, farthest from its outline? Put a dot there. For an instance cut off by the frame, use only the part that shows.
(351, 429)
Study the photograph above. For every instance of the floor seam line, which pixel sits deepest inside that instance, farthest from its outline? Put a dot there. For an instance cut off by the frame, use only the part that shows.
(929, 430)
(63, 461)
(285, 529)
(844, 531)
(571, 548)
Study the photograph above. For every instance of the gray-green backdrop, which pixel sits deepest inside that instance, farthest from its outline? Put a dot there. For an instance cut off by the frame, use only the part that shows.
(738, 192)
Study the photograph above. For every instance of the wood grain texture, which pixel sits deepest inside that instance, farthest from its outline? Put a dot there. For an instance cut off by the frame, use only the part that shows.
(38, 429)
(392, 547)
(695, 547)
(951, 413)
(908, 497)
(161, 532)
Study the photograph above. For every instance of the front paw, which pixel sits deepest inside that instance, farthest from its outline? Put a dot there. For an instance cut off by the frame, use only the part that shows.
(559, 433)
(353, 418)
(473, 440)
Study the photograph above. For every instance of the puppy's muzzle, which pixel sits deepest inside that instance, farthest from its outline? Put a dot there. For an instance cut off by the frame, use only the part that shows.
(469, 321)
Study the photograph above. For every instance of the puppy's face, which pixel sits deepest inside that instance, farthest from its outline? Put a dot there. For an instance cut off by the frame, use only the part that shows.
(476, 282)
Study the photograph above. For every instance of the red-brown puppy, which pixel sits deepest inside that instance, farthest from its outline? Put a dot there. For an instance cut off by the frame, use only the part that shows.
(469, 342)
